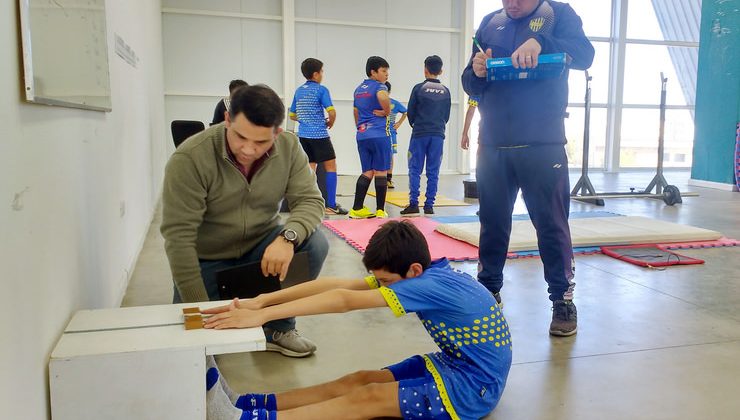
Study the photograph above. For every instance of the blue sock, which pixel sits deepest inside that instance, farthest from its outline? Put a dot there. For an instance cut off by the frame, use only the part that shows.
(211, 378)
(331, 189)
(257, 401)
(259, 414)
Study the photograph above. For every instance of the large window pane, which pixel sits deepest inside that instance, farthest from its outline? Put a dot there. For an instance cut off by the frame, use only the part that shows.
(574, 129)
(640, 130)
(595, 14)
(669, 20)
(643, 64)
(599, 71)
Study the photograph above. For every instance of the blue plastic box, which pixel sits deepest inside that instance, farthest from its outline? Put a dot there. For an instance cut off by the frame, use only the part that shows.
(550, 66)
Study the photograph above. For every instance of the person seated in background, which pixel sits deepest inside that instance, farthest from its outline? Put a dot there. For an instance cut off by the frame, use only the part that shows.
(220, 203)
(223, 105)
(464, 380)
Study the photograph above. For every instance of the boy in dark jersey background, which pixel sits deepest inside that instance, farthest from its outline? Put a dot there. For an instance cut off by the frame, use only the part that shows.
(428, 112)
(372, 106)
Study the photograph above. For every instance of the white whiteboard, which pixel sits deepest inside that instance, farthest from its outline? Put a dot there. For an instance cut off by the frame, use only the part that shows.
(65, 53)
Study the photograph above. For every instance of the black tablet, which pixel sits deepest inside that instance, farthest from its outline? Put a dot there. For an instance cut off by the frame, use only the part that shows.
(245, 281)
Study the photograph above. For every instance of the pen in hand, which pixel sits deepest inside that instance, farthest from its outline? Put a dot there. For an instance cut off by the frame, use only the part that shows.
(477, 44)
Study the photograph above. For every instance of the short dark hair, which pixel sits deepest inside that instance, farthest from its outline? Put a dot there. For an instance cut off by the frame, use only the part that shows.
(433, 64)
(375, 63)
(310, 66)
(259, 104)
(395, 246)
(235, 84)
(388, 85)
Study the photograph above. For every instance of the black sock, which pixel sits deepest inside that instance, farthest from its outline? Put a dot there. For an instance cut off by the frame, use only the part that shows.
(389, 176)
(381, 187)
(363, 183)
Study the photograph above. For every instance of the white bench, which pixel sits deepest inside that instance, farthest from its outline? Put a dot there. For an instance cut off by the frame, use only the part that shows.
(138, 363)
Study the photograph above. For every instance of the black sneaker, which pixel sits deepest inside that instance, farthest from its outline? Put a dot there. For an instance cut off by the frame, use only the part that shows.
(497, 296)
(428, 210)
(410, 211)
(564, 318)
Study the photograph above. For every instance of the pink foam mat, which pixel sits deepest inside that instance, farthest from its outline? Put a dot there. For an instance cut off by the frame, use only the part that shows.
(357, 233)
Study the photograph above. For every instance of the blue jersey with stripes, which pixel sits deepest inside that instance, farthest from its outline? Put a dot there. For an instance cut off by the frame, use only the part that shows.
(396, 108)
(465, 322)
(309, 102)
(366, 101)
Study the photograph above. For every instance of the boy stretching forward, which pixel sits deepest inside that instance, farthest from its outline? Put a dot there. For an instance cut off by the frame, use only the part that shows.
(464, 380)
(372, 107)
(429, 111)
(309, 102)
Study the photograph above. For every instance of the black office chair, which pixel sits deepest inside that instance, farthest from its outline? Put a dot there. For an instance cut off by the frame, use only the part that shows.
(182, 129)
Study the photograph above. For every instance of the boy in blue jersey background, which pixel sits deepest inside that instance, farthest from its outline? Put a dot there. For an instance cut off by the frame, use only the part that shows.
(428, 112)
(463, 380)
(372, 106)
(472, 106)
(309, 102)
(396, 108)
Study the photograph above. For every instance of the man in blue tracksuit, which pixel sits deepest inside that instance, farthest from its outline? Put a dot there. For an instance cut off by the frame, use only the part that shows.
(428, 113)
(522, 138)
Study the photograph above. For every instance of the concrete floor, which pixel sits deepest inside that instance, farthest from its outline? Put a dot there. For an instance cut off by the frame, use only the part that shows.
(650, 344)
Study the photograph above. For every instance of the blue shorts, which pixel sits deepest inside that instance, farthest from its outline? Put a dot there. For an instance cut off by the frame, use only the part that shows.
(375, 153)
(418, 396)
(394, 143)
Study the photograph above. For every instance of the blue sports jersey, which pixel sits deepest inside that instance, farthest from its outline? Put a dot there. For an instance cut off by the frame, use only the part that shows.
(309, 102)
(396, 108)
(463, 319)
(366, 101)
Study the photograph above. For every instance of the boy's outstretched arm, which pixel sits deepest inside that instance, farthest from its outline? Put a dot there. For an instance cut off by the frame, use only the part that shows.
(309, 288)
(332, 301)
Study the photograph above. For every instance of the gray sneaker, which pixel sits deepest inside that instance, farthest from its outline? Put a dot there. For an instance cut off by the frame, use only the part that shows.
(564, 318)
(289, 343)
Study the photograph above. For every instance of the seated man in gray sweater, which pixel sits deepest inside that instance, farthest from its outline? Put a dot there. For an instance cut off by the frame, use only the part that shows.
(222, 193)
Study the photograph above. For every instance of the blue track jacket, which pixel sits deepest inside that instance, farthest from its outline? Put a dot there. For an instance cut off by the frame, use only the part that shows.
(527, 112)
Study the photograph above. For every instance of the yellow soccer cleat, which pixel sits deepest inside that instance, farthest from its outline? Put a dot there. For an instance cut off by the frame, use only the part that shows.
(363, 213)
(381, 214)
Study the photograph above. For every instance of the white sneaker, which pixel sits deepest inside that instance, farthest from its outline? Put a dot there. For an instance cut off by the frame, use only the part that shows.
(289, 343)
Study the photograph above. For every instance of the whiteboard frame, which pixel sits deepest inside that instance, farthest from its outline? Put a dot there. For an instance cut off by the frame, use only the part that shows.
(27, 47)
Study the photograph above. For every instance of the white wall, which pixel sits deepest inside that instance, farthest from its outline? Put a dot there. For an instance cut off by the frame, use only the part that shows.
(66, 174)
(206, 45)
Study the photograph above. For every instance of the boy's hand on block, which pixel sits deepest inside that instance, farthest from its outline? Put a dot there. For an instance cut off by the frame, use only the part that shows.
(232, 316)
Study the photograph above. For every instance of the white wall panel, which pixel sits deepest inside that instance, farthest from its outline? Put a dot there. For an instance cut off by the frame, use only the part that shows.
(262, 46)
(261, 7)
(201, 53)
(434, 13)
(344, 10)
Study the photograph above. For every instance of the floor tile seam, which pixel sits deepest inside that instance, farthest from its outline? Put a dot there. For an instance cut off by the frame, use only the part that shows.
(586, 356)
(644, 286)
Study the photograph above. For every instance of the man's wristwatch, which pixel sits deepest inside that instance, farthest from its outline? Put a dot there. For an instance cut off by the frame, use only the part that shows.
(291, 236)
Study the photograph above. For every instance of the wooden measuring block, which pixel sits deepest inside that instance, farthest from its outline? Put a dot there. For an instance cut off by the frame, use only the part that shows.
(193, 318)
